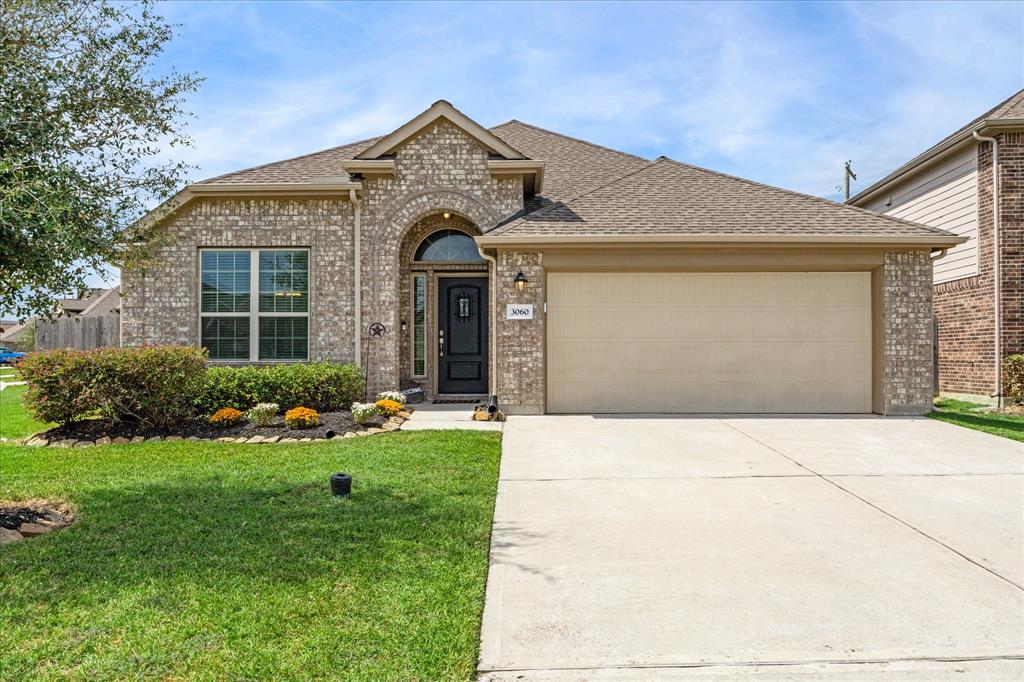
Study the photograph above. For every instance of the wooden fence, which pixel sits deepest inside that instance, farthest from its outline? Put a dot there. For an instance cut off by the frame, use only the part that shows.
(80, 333)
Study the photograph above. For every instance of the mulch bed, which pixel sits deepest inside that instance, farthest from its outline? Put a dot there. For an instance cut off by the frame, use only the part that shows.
(339, 422)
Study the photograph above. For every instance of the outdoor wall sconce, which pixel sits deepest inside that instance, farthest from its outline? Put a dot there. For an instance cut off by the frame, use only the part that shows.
(520, 281)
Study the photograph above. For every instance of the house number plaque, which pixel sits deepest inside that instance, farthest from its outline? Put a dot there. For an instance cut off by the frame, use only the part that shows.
(519, 311)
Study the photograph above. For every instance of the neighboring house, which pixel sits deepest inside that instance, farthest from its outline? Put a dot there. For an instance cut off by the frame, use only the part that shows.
(92, 302)
(951, 186)
(557, 274)
(14, 334)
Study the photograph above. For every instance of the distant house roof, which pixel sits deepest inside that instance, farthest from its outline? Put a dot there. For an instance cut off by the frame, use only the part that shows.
(92, 302)
(1007, 114)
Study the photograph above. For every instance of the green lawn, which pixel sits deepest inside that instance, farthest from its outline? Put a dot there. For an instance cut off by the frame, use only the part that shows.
(15, 422)
(212, 561)
(960, 412)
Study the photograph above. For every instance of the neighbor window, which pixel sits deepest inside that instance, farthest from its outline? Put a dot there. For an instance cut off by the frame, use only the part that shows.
(419, 325)
(277, 327)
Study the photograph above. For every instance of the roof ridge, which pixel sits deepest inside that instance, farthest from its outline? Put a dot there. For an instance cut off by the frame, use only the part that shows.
(292, 158)
(802, 195)
(574, 139)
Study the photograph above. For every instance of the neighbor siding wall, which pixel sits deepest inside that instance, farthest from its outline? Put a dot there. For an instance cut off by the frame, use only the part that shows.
(944, 196)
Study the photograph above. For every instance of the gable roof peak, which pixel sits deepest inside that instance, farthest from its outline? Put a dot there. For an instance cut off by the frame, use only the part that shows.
(442, 109)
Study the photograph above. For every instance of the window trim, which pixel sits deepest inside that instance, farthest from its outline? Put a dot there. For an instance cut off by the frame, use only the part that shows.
(254, 313)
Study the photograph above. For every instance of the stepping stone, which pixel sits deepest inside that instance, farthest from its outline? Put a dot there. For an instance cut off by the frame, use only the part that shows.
(7, 536)
(32, 529)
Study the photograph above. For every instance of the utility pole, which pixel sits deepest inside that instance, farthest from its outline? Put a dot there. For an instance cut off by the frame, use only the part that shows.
(846, 181)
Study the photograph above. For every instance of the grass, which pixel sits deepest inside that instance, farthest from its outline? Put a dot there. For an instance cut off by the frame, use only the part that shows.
(16, 422)
(196, 560)
(960, 412)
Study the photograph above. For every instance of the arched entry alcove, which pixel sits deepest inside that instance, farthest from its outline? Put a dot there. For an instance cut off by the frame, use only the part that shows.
(443, 299)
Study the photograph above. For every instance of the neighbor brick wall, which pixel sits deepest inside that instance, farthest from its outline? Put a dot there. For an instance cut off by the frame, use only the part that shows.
(161, 304)
(906, 290)
(964, 308)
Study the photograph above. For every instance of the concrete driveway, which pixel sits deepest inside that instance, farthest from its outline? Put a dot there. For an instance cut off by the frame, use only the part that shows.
(632, 548)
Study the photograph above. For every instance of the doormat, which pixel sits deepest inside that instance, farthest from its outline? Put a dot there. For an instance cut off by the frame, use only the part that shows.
(455, 401)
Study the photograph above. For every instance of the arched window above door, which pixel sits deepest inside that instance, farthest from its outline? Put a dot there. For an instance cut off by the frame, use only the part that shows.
(448, 245)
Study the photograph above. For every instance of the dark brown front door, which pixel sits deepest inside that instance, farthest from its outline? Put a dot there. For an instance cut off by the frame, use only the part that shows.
(462, 335)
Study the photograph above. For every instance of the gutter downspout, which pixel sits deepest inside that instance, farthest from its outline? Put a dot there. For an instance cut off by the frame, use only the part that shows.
(357, 317)
(492, 379)
(997, 263)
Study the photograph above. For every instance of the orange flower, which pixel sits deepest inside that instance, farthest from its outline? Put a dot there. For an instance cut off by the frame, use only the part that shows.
(389, 407)
(225, 417)
(301, 418)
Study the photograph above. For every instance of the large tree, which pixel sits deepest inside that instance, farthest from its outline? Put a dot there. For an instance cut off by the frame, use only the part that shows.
(85, 124)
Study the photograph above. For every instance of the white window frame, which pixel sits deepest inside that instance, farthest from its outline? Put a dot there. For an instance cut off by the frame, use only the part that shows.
(254, 313)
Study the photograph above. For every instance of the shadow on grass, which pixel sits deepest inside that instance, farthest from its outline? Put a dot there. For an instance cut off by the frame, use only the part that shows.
(983, 422)
(212, 533)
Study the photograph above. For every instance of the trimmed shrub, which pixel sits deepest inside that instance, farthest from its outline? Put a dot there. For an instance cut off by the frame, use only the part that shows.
(1013, 377)
(389, 408)
(322, 386)
(364, 413)
(225, 417)
(152, 385)
(301, 418)
(396, 396)
(263, 413)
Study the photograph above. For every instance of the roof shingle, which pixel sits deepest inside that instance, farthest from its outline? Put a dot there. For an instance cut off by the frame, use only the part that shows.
(667, 197)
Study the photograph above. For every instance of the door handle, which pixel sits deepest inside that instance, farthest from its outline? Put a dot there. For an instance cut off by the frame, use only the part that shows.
(440, 344)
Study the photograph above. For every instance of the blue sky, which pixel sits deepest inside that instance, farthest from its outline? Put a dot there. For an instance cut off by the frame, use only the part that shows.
(780, 93)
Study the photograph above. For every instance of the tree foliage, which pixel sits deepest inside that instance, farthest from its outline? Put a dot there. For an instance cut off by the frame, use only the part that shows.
(85, 126)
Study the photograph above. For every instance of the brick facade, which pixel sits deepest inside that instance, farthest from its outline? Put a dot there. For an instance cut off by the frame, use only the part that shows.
(161, 305)
(965, 308)
(441, 169)
(907, 374)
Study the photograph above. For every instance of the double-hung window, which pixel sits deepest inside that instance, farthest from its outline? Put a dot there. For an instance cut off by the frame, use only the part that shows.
(254, 304)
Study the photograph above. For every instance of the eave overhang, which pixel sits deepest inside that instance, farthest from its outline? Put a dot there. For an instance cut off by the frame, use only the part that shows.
(519, 167)
(337, 187)
(647, 241)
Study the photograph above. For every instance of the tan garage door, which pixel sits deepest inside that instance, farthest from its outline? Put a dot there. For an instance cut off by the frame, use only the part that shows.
(709, 342)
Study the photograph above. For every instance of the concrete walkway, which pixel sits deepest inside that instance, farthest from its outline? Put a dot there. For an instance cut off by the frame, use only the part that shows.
(635, 548)
(447, 416)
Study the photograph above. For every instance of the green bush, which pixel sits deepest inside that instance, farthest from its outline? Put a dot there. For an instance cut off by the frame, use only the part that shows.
(153, 385)
(1013, 377)
(322, 386)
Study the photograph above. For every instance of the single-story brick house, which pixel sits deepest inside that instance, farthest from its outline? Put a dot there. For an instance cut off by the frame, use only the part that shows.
(979, 285)
(557, 274)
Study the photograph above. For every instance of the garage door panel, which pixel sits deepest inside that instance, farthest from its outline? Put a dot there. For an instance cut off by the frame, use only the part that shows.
(709, 342)
(707, 323)
(706, 360)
